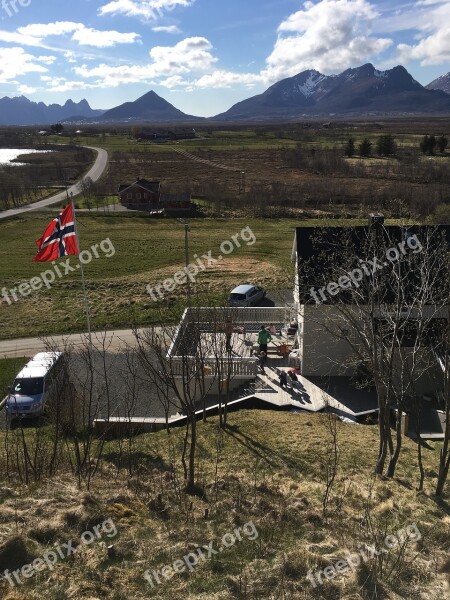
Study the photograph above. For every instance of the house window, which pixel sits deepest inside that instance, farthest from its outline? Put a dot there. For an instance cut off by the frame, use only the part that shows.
(138, 196)
(129, 196)
(145, 196)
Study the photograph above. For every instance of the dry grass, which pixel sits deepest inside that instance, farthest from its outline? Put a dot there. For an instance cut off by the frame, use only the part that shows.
(270, 471)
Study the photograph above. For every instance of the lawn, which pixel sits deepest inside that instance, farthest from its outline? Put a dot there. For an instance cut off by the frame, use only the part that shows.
(147, 251)
(144, 251)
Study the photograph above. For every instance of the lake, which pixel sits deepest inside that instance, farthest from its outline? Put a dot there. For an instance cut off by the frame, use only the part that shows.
(9, 154)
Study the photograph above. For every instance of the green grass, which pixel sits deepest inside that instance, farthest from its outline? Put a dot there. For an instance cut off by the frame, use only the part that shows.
(92, 203)
(147, 251)
(9, 367)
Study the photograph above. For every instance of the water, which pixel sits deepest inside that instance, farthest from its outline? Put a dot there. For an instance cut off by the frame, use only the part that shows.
(9, 154)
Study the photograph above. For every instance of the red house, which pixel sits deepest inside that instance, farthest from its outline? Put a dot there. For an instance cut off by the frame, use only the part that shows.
(141, 195)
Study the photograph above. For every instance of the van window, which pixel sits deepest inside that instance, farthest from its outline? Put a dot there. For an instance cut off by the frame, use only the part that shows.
(31, 386)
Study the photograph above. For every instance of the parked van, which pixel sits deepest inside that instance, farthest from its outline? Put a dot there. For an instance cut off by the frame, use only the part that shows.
(35, 384)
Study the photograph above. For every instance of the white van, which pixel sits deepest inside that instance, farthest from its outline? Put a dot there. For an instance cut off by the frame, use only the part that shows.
(34, 385)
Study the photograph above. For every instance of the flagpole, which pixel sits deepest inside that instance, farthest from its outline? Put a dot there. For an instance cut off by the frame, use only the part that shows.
(83, 282)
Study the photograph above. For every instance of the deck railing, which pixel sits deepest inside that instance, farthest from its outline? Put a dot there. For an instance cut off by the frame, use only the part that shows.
(208, 320)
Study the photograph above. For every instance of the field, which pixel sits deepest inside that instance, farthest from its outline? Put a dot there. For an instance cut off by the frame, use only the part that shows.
(275, 178)
(265, 473)
(147, 251)
(290, 170)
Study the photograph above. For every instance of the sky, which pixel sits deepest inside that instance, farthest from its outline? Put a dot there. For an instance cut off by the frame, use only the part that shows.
(203, 56)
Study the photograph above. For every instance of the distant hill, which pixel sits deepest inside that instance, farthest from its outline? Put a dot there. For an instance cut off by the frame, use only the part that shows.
(359, 91)
(149, 107)
(21, 111)
(441, 83)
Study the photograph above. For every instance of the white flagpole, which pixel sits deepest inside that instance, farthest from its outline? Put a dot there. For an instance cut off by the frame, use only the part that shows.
(86, 303)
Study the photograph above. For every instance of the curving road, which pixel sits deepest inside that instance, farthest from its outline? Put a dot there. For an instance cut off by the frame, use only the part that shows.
(95, 172)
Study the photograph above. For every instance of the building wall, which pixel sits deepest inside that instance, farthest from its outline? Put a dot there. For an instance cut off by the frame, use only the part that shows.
(321, 352)
(137, 196)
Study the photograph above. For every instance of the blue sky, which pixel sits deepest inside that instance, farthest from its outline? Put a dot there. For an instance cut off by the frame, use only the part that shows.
(205, 55)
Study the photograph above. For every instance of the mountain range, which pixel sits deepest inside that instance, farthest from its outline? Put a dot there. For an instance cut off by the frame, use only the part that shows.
(21, 111)
(441, 83)
(360, 91)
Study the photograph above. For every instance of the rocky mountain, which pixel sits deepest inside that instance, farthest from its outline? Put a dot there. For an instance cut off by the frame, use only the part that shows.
(149, 107)
(441, 83)
(363, 90)
(21, 111)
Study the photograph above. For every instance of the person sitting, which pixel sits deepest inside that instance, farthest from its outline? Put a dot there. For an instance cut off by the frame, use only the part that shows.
(272, 329)
(282, 376)
(293, 376)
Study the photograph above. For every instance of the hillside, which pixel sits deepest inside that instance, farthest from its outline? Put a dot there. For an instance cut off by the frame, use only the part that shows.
(269, 481)
(363, 90)
(441, 83)
(21, 111)
(149, 107)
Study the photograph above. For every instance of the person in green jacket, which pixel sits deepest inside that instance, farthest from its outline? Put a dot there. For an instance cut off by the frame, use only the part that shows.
(263, 338)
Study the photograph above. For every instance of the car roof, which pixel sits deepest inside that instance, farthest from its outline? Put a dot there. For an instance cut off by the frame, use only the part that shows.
(39, 365)
(242, 289)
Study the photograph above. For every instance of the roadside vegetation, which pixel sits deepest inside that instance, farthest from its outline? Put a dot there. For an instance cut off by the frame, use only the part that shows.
(42, 175)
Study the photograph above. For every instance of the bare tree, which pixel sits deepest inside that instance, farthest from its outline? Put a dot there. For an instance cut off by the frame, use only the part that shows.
(383, 313)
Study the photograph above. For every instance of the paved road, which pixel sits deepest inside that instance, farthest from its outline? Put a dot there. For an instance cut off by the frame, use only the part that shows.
(115, 341)
(94, 173)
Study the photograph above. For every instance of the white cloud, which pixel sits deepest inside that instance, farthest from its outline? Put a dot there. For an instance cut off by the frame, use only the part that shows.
(190, 55)
(103, 39)
(41, 30)
(226, 79)
(13, 37)
(70, 56)
(34, 34)
(47, 60)
(70, 86)
(146, 9)
(15, 62)
(26, 89)
(176, 81)
(166, 29)
(433, 40)
(329, 36)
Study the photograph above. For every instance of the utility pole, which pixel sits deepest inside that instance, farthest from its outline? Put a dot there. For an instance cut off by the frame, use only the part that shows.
(186, 251)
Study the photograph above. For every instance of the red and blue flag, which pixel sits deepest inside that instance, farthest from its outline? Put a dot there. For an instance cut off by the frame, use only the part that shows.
(59, 238)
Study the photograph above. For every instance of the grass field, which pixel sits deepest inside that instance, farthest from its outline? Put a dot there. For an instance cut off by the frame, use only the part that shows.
(222, 140)
(147, 251)
(268, 469)
(9, 367)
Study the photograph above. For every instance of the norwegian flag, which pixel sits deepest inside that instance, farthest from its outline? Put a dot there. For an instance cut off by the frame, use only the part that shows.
(59, 238)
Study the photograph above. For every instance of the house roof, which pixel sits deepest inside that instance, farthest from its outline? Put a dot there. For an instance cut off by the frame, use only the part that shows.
(326, 253)
(149, 186)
